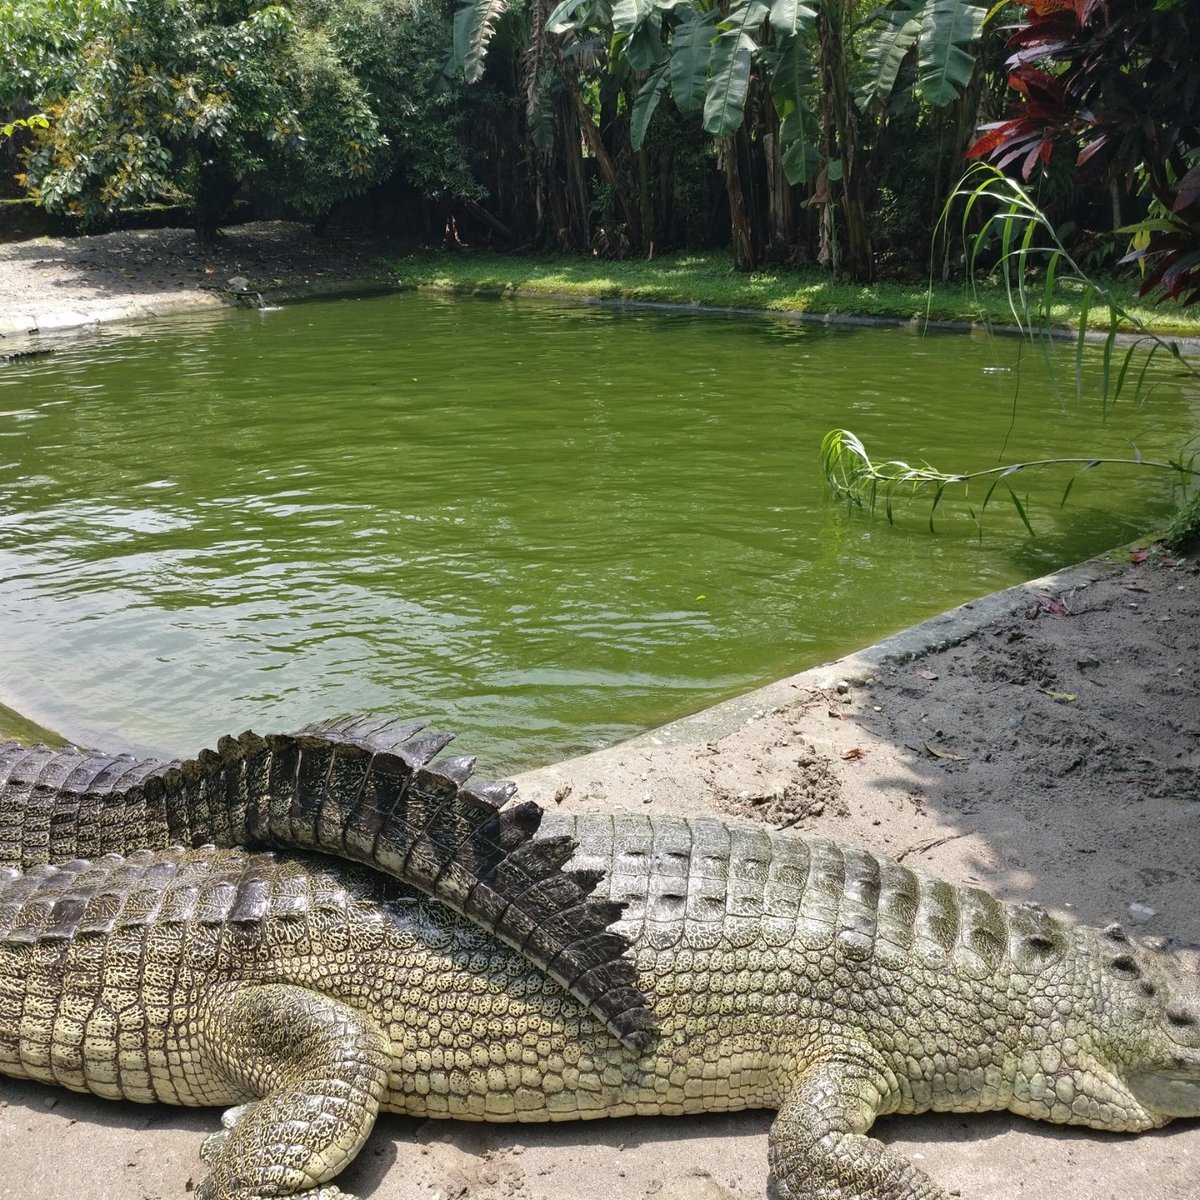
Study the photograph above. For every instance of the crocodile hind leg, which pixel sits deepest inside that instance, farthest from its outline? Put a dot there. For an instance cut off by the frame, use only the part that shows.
(818, 1146)
(317, 1068)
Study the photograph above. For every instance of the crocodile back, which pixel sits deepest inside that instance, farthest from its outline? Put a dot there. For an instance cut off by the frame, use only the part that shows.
(708, 882)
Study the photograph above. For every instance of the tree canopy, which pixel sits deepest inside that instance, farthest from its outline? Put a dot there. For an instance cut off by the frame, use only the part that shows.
(308, 102)
(802, 131)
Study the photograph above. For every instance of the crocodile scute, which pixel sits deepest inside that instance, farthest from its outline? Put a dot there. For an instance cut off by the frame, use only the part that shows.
(785, 972)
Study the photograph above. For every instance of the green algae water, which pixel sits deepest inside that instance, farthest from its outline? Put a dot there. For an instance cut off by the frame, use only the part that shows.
(546, 527)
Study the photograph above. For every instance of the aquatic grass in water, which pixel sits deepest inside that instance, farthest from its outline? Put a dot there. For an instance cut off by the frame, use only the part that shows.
(545, 526)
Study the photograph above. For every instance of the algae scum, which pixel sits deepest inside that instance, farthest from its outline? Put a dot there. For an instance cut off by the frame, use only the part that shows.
(544, 526)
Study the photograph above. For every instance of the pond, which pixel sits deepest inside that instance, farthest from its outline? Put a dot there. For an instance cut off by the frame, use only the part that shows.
(544, 526)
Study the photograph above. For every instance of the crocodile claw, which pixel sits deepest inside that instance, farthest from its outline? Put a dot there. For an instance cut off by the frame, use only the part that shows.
(214, 1144)
(211, 1147)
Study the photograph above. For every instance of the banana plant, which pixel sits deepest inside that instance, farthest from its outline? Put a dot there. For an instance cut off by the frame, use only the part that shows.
(702, 52)
(705, 54)
(474, 27)
(941, 32)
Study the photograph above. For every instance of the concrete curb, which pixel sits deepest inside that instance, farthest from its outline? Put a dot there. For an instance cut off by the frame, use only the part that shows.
(19, 330)
(798, 316)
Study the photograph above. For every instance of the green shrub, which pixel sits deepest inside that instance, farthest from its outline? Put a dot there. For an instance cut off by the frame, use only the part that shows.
(1184, 531)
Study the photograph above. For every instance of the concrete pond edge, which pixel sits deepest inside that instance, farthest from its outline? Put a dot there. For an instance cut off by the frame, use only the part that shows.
(23, 333)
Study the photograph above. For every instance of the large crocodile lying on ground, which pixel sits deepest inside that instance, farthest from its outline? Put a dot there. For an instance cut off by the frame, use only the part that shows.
(790, 973)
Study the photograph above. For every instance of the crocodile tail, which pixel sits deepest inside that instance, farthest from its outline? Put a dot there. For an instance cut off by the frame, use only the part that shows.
(61, 804)
(361, 788)
(376, 793)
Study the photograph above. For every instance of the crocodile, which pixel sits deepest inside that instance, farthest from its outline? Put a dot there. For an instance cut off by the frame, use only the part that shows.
(790, 973)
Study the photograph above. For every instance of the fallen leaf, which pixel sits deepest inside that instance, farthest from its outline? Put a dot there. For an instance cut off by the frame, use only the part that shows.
(855, 752)
(1061, 697)
(837, 716)
(1139, 556)
(1054, 607)
(927, 674)
(937, 752)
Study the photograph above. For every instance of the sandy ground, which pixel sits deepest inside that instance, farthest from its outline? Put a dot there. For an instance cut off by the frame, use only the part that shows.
(52, 284)
(1043, 742)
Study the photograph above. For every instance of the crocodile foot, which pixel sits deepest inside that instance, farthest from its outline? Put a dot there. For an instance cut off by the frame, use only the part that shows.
(211, 1147)
(214, 1144)
(327, 1191)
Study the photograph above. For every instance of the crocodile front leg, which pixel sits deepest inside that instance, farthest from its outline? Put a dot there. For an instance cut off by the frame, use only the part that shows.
(818, 1146)
(318, 1068)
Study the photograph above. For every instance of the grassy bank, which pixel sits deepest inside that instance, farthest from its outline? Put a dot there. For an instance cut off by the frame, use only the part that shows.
(16, 728)
(708, 280)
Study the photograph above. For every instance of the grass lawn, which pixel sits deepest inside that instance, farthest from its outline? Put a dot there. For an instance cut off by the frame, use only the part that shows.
(708, 280)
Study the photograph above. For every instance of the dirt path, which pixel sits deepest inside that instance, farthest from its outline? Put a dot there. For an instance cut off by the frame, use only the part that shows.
(1044, 743)
(51, 284)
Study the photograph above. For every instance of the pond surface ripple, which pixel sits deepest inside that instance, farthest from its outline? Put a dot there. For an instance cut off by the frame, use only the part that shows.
(544, 526)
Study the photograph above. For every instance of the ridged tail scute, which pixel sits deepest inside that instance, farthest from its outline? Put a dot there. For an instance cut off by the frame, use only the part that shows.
(61, 804)
(361, 788)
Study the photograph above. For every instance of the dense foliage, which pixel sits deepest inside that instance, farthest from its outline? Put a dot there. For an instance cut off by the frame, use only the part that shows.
(798, 131)
(810, 113)
(307, 102)
(1116, 83)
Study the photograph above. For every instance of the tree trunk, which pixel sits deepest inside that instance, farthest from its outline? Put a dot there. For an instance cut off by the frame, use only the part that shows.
(645, 202)
(575, 178)
(839, 137)
(212, 201)
(559, 217)
(558, 184)
(595, 143)
(481, 214)
(780, 212)
(741, 236)
(752, 173)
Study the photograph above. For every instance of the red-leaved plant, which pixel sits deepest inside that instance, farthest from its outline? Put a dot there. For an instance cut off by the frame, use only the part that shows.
(1119, 82)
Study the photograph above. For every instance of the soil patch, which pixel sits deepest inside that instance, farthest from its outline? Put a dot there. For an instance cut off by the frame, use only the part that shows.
(141, 272)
